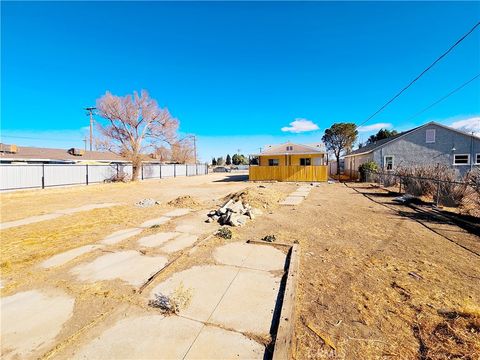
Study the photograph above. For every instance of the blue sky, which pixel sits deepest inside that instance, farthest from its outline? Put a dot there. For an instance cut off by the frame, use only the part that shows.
(236, 73)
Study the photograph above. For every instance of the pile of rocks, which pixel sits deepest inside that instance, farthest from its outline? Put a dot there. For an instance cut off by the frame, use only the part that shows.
(233, 213)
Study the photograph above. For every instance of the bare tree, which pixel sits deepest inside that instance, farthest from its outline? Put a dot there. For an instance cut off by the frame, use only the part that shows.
(162, 154)
(134, 124)
(183, 151)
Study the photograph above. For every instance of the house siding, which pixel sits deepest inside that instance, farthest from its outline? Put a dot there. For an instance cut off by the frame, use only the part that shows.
(413, 150)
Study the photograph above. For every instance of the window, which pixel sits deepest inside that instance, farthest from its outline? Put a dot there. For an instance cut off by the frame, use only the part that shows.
(461, 159)
(477, 159)
(430, 136)
(272, 162)
(289, 148)
(388, 163)
(305, 161)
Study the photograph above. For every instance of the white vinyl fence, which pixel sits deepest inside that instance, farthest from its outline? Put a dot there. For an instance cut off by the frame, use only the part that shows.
(29, 176)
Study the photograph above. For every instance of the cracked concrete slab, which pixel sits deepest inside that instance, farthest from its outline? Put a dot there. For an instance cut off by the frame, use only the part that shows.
(158, 221)
(129, 266)
(120, 235)
(143, 337)
(300, 193)
(54, 215)
(157, 239)
(178, 212)
(31, 320)
(63, 258)
(249, 302)
(208, 283)
(216, 343)
(28, 221)
(251, 256)
(292, 200)
(179, 243)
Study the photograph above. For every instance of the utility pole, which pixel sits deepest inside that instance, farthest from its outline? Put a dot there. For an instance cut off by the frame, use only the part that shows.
(85, 142)
(90, 112)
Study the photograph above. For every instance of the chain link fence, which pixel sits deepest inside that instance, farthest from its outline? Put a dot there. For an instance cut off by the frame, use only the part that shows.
(463, 194)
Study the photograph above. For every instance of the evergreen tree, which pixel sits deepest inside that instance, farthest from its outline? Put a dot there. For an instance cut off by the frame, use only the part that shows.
(228, 161)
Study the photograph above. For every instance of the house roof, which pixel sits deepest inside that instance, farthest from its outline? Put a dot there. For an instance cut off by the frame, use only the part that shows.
(48, 154)
(378, 144)
(298, 149)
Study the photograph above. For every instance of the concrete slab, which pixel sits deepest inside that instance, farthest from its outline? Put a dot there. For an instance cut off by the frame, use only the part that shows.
(28, 221)
(292, 200)
(177, 212)
(143, 337)
(86, 208)
(249, 302)
(121, 235)
(303, 194)
(63, 258)
(196, 225)
(158, 221)
(250, 256)
(208, 283)
(31, 320)
(179, 243)
(129, 266)
(216, 343)
(157, 239)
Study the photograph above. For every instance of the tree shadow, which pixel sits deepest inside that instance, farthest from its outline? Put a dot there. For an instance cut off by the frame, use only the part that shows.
(233, 178)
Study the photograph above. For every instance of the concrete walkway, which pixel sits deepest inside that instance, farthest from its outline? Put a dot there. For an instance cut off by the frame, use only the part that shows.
(231, 305)
(54, 215)
(296, 197)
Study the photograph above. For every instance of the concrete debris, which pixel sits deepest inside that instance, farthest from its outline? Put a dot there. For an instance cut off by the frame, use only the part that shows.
(404, 199)
(233, 213)
(147, 203)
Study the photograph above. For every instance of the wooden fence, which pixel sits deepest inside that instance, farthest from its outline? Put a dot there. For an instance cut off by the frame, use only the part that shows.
(288, 173)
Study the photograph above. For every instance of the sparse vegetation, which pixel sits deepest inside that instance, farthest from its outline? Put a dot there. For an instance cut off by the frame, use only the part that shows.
(178, 300)
(224, 232)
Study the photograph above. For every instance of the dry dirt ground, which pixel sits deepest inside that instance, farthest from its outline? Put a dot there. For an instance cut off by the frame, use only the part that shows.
(375, 280)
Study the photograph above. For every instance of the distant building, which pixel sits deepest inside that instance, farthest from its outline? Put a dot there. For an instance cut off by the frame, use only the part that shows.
(429, 144)
(291, 162)
(12, 154)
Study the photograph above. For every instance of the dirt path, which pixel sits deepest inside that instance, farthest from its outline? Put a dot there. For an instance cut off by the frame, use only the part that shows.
(373, 280)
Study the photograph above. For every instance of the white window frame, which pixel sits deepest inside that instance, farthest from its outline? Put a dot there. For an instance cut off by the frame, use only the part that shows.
(385, 162)
(468, 159)
(476, 159)
(434, 136)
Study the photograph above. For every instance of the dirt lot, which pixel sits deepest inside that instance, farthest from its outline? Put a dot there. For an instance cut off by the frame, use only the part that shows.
(375, 281)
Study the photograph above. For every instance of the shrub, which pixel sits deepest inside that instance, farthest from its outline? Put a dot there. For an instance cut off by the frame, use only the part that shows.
(366, 168)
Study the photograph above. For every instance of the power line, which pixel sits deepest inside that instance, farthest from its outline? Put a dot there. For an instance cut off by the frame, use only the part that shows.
(444, 97)
(421, 74)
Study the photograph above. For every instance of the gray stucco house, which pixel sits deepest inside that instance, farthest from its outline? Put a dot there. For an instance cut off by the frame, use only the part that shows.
(429, 144)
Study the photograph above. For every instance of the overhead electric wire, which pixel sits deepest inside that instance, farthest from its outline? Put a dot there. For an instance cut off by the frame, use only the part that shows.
(444, 97)
(421, 74)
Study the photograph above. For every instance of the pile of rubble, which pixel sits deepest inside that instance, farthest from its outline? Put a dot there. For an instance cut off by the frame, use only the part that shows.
(233, 213)
(147, 203)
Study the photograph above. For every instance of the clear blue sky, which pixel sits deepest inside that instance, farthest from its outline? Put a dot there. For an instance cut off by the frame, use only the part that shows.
(235, 73)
